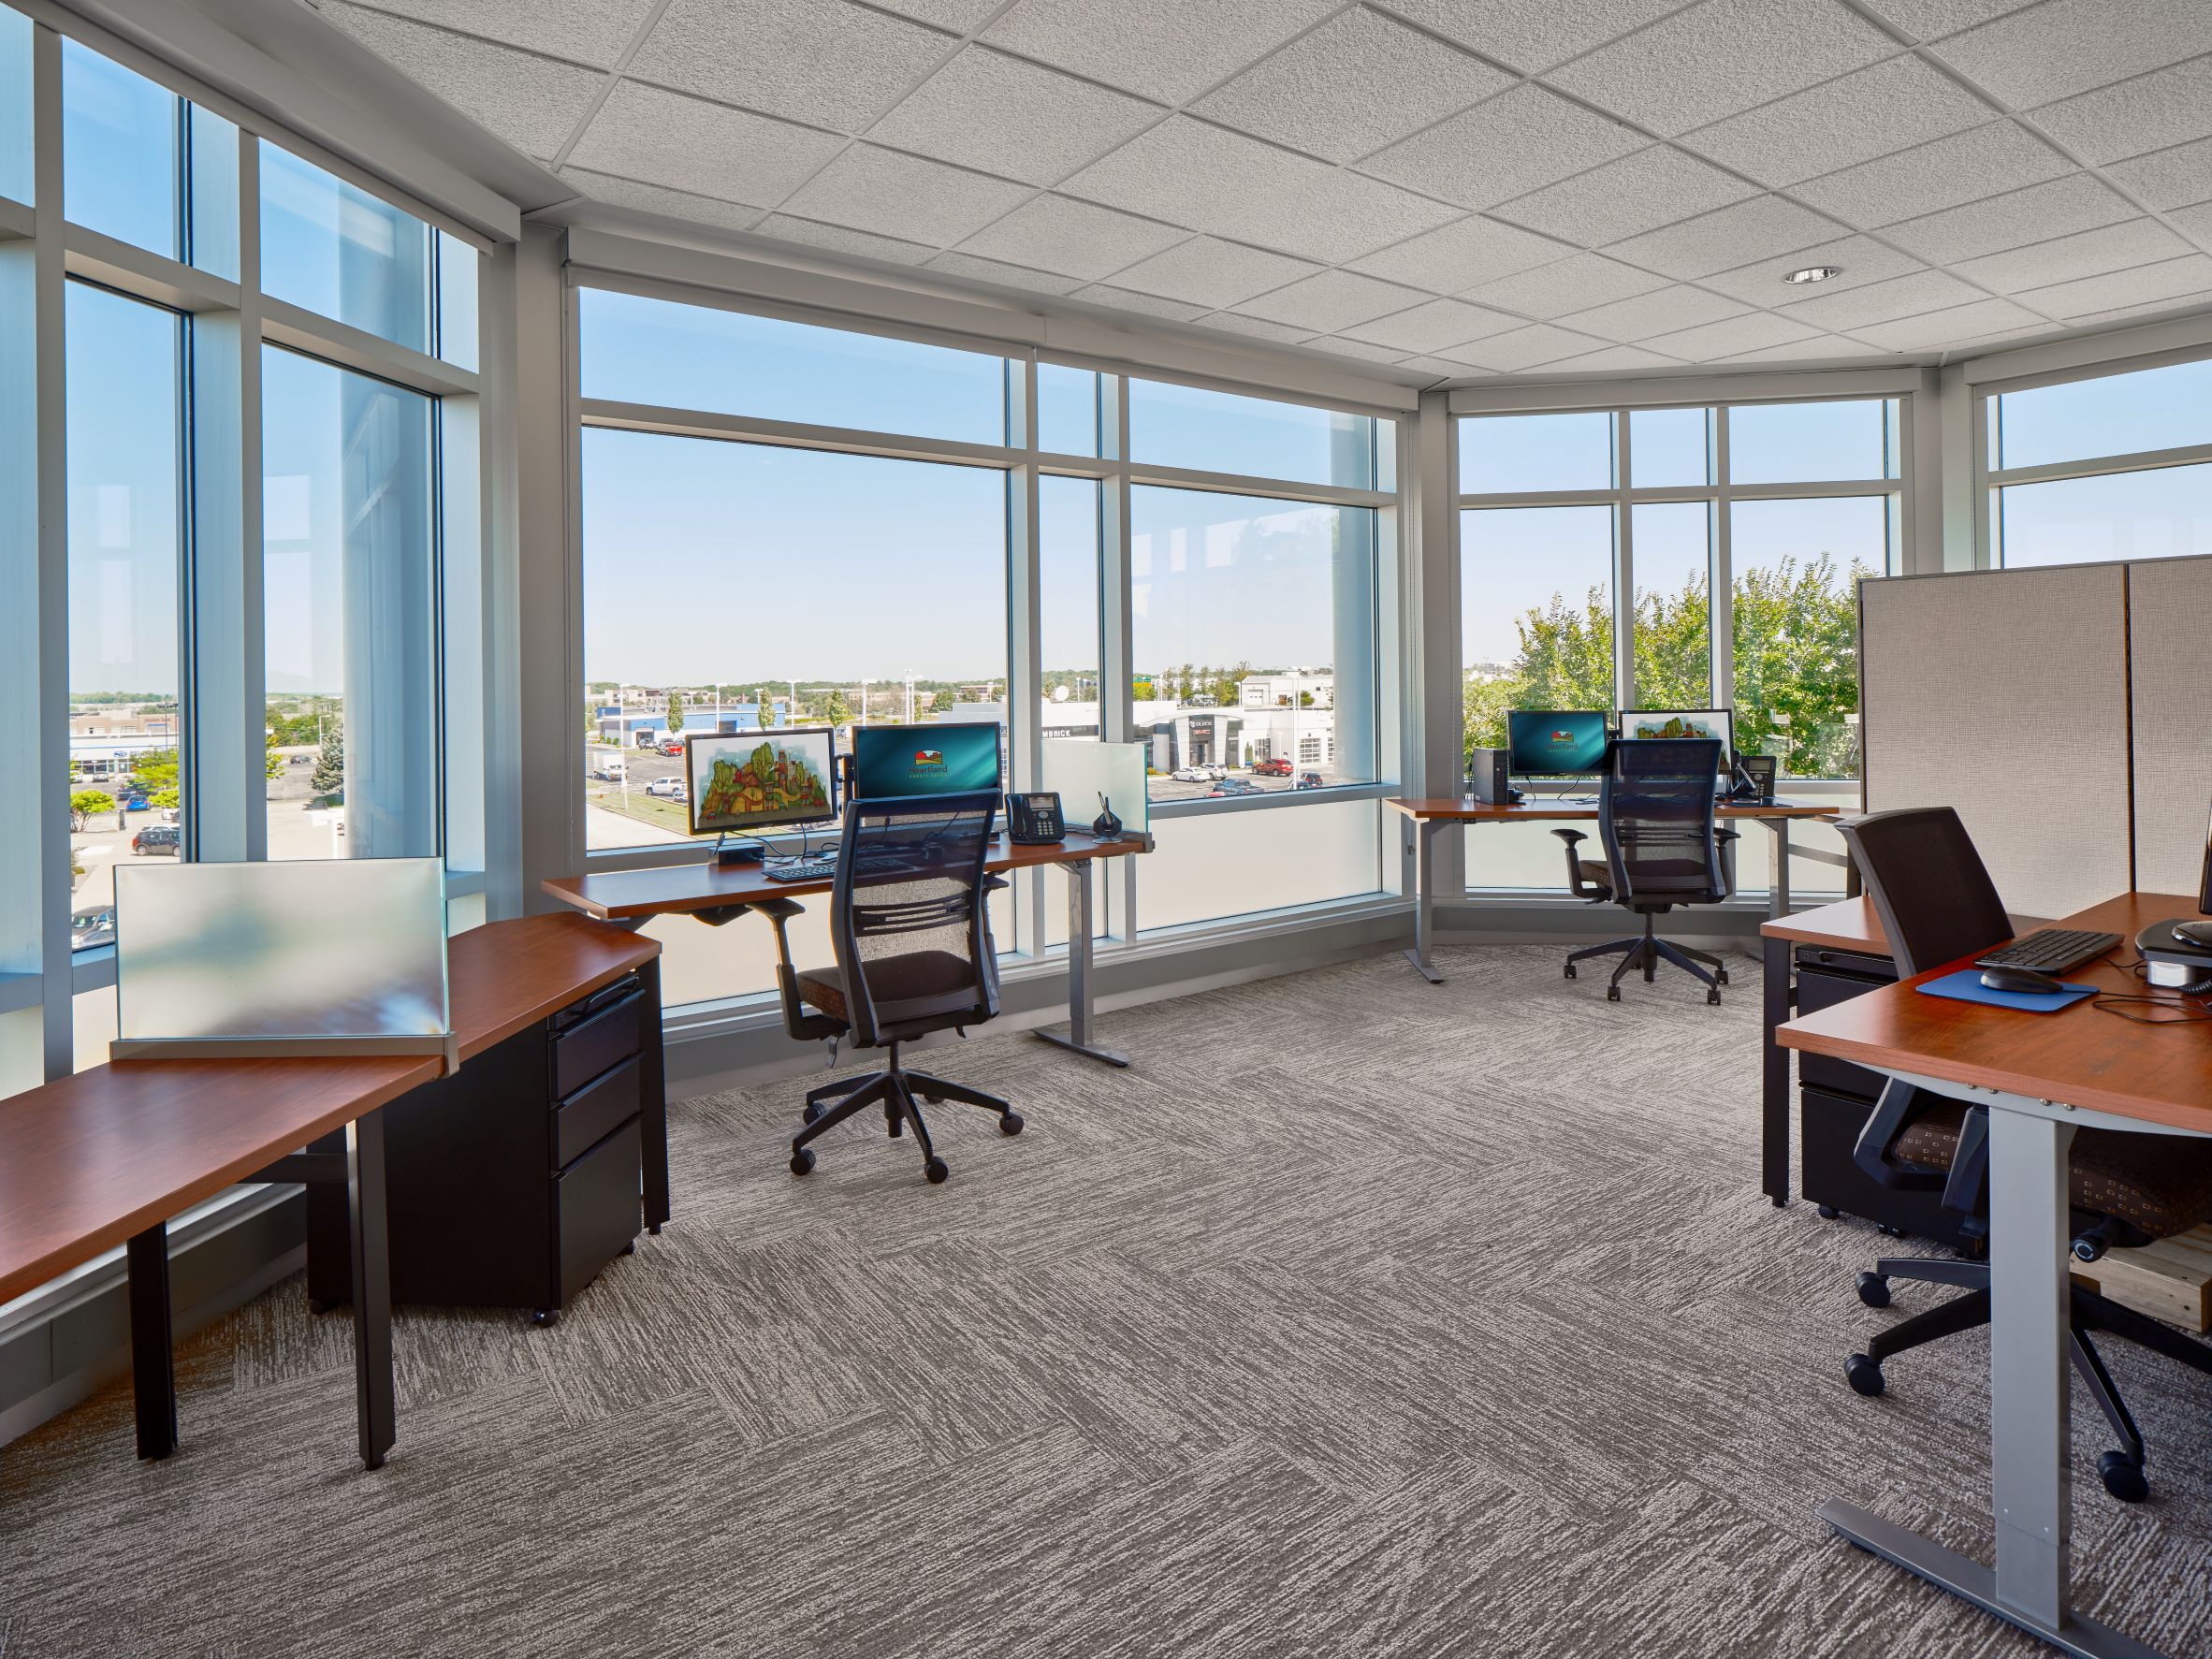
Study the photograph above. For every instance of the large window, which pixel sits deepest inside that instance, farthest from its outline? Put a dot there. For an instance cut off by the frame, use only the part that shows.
(2116, 467)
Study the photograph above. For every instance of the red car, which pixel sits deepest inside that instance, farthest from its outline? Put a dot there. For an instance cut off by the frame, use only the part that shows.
(1278, 767)
(673, 746)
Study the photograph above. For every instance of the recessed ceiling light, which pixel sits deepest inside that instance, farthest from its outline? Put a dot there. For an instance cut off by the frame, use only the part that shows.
(1814, 273)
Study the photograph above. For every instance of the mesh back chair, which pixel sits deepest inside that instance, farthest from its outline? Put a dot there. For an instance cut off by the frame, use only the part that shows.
(912, 939)
(1938, 906)
(1663, 848)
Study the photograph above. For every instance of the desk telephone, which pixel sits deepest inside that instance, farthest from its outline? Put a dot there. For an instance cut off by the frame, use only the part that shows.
(1035, 820)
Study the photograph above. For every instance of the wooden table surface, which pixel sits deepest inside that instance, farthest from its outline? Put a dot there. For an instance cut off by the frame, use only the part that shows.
(1848, 925)
(90, 1161)
(615, 895)
(1466, 808)
(2080, 1056)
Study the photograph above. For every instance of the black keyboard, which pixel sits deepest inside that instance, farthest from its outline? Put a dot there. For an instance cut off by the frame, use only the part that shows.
(2050, 950)
(801, 869)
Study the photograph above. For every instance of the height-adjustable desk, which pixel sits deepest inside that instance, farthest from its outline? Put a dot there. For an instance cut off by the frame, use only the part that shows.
(2042, 1076)
(630, 898)
(1430, 814)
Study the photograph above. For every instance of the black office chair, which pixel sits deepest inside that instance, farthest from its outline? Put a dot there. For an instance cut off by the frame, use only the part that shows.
(911, 933)
(1938, 905)
(1656, 820)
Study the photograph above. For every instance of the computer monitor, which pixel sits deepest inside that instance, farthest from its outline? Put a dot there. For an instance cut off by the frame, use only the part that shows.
(2205, 880)
(1684, 722)
(1557, 742)
(956, 758)
(742, 782)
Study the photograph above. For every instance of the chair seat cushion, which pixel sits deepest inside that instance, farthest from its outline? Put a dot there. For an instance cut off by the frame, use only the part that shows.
(1594, 872)
(2158, 1183)
(892, 979)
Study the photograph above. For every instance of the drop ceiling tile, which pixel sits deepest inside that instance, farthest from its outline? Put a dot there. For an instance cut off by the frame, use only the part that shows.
(1333, 299)
(826, 61)
(1206, 270)
(1439, 367)
(1937, 330)
(533, 102)
(1342, 347)
(1716, 58)
(960, 15)
(1637, 193)
(591, 31)
(2076, 201)
(839, 239)
(2090, 252)
(1531, 35)
(1259, 327)
(1001, 115)
(1821, 348)
(2189, 302)
(1879, 302)
(2149, 112)
(1009, 276)
(1962, 168)
(1881, 109)
(652, 199)
(1730, 338)
(664, 137)
(1359, 81)
(1435, 325)
(2175, 177)
(1613, 361)
(1931, 19)
(1191, 173)
(1524, 348)
(1517, 142)
(1461, 254)
(1576, 284)
(903, 196)
(2171, 280)
(2069, 46)
(1077, 238)
(1756, 228)
(1167, 50)
(1150, 305)
(2196, 222)
(1860, 259)
(1666, 311)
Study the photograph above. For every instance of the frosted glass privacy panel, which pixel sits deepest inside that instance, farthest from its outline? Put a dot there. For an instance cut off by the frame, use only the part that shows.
(1080, 771)
(340, 956)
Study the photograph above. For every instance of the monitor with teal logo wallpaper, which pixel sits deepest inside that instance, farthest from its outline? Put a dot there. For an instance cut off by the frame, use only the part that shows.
(936, 759)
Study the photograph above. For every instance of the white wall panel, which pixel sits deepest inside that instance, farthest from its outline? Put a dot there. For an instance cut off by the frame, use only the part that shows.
(2170, 611)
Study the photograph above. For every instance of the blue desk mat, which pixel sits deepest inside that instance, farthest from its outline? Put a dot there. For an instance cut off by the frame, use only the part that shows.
(1966, 986)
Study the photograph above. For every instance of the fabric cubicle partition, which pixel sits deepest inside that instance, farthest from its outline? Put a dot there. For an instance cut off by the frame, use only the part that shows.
(2169, 618)
(2004, 694)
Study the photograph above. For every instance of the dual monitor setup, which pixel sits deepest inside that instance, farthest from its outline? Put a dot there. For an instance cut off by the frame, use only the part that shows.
(1571, 743)
(740, 784)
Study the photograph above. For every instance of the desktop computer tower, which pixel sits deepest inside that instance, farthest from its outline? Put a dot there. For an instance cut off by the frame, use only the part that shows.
(1487, 776)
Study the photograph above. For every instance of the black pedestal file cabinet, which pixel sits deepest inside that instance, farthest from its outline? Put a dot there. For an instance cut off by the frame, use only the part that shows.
(514, 1182)
(1837, 1097)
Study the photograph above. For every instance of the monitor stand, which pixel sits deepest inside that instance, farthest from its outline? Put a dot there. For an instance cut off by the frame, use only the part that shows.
(729, 854)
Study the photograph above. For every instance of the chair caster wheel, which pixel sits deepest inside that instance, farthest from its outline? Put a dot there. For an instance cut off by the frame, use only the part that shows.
(1714, 998)
(1829, 1212)
(1570, 971)
(802, 1159)
(630, 1248)
(1888, 1231)
(937, 1170)
(1863, 1374)
(545, 1317)
(1612, 993)
(1873, 1289)
(1011, 1124)
(812, 1114)
(2123, 1478)
(1721, 975)
(935, 1099)
(317, 1306)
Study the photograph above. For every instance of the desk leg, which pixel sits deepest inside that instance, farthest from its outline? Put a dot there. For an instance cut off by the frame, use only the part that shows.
(1774, 1081)
(1424, 897)
(2032, 1481)
(372, 1287)
(1778, 888)
(653, 1081)
(154, 1374)
(1079, 952)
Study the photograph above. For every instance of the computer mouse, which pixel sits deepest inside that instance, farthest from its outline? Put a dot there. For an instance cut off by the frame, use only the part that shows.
(2018, 978)
(2194, 933)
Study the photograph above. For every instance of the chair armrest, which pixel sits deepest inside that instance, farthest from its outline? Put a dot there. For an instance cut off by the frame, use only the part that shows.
(995, 883)
(1573, 838)
(778, 909)
(1899, 1104)
(801, 1023)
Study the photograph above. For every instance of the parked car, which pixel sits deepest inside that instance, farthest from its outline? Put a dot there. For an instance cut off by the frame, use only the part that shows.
(1191, 775)
(1216, 773)
(92, 926)
(672, 746)
(610, 767)
(1309, 780)
(159, 837)
(1235, 786)
(667, 789)
(1277, 767)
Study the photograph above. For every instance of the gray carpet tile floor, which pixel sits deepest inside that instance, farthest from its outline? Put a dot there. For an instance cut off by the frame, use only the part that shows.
(1357, 1316)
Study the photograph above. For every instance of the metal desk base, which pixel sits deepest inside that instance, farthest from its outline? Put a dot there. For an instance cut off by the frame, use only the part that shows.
(1081, 912)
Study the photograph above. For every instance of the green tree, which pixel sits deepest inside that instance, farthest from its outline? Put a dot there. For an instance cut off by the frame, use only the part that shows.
(676, 713)
(834, 709)
(942, 701)
(155, 769)
(84, 803)
(328, 778)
